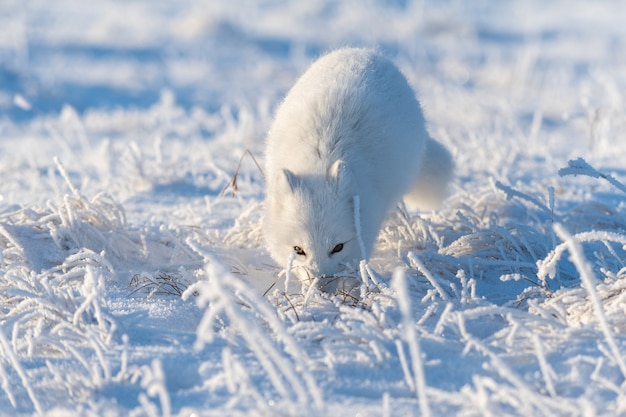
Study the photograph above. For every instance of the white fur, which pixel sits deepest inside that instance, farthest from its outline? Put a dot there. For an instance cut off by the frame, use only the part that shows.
(350, 126)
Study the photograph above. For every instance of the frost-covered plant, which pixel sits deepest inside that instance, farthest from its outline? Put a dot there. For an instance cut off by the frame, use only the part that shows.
(236, 309)
(162, 283)
(53, 301)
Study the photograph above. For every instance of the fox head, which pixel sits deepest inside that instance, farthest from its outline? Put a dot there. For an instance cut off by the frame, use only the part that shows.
(313, 218)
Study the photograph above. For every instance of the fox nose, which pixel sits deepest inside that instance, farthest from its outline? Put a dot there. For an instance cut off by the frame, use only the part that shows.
(316, 270)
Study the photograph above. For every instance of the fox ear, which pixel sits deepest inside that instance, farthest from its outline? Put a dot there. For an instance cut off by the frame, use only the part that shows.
(339, 174)
(288, 180)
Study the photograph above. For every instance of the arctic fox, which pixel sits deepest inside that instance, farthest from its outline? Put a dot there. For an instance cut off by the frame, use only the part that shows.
(349, 132)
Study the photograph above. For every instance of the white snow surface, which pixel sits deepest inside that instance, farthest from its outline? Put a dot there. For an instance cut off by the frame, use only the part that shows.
(133, 278)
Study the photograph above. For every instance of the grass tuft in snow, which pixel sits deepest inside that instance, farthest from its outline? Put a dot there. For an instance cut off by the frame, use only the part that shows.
(162, 283)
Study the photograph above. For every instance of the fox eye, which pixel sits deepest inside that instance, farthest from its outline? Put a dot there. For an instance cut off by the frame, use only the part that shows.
(299, 250)
(337, 248)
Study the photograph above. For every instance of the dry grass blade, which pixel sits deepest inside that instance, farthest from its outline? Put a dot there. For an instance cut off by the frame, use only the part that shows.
(162, 283)
(232, 184)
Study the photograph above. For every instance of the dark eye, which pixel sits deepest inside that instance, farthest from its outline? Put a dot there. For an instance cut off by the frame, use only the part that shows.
(337, 248)
(299, 250)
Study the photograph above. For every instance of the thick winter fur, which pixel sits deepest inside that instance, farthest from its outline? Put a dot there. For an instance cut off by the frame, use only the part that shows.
(350, 126)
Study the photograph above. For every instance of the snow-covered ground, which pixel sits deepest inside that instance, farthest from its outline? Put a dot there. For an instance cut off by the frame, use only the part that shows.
(134, 281)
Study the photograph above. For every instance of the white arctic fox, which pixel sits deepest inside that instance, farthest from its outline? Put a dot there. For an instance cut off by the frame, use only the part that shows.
(350, 127)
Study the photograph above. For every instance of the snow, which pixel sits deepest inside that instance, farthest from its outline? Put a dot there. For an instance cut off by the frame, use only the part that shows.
(133, 277)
